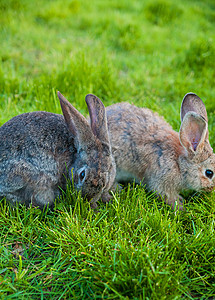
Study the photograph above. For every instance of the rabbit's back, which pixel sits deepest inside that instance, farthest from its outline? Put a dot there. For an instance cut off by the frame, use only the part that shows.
(141, 140)
(29, 132)
(128, 115)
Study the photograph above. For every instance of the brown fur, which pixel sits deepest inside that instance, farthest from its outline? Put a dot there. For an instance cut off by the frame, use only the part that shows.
(147, 149)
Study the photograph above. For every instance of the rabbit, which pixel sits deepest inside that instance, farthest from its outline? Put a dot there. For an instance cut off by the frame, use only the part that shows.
(146, 149)
(39, 151)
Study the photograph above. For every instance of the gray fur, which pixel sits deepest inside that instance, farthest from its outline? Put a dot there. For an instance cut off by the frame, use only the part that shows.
(39, 150)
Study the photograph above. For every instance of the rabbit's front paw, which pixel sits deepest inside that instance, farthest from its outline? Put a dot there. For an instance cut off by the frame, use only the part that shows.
(106, 197)
(178, 204)
(94, 205)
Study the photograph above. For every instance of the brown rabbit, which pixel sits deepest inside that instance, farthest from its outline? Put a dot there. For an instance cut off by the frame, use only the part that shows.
(147, 149)
(38, 149)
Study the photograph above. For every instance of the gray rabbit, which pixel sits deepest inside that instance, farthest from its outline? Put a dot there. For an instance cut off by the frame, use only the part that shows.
(39, 149)
(147, 149)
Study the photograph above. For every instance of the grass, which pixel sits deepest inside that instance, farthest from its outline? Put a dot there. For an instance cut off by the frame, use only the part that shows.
(150, 53)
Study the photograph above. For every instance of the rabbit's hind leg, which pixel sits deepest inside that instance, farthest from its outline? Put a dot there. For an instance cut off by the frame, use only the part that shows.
(24, 183)
(12, 188)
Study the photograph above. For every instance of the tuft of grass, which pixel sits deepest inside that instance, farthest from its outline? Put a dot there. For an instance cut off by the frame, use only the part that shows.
(162, 12)
(200, 54)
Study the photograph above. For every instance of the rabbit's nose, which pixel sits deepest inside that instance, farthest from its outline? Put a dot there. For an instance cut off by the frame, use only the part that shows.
(95, 182)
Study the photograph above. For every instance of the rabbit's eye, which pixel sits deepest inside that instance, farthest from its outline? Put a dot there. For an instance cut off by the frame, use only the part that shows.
(82, 175)
(209, 173)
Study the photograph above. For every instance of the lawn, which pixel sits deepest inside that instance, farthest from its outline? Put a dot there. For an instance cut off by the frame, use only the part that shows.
(150, 53)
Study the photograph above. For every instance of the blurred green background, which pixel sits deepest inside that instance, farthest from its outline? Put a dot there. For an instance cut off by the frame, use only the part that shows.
(147, 52)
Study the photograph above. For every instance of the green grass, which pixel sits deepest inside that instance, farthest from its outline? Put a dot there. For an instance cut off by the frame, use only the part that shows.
(150, 53)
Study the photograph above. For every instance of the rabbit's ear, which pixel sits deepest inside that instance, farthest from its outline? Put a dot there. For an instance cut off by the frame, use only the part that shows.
(192, 102)
(76, 123)
(98, 118)
(193, 132)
